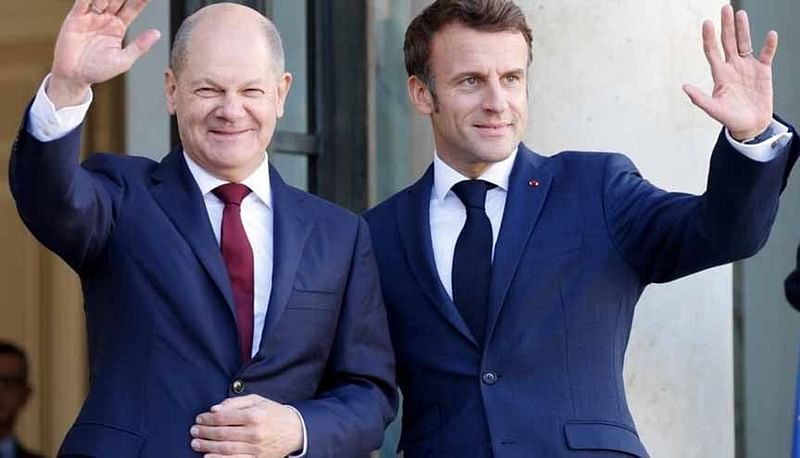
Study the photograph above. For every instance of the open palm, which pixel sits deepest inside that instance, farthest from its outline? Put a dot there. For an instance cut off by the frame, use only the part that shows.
(90, 47)
(742, 96)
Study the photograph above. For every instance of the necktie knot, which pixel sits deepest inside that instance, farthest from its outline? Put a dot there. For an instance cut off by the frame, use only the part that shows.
(473, 192)
(231, 193)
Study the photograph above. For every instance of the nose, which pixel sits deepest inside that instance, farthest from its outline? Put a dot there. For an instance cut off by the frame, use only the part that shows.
(231, 107)
(495, 98)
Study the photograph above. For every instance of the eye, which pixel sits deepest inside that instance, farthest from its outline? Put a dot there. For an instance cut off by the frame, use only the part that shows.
(513, 78)
(206, 92)
(254, 92)
(470, 81)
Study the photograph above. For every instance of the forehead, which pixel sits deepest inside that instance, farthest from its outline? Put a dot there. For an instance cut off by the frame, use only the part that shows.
(457, 48)
(225, 52)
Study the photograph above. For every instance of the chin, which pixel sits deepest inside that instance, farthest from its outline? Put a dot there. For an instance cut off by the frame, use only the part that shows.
(497, 155)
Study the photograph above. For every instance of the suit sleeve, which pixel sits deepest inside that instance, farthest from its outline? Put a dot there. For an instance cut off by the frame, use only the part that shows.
(66, 207)
(664, 236)
(358, 396)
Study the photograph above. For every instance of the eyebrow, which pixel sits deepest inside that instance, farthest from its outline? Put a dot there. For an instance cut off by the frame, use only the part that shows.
(466, 74)
(211, 82)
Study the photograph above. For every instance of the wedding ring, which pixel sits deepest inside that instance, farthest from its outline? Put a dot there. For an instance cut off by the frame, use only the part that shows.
(94, 9)
(746, 53)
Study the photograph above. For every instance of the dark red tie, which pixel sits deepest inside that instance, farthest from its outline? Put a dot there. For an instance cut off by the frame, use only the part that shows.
(238, 255)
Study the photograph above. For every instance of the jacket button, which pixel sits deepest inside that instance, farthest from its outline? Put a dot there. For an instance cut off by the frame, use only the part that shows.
(489, 378)
(237, 386)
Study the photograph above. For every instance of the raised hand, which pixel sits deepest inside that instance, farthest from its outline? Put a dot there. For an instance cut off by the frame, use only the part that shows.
(742, 95)
(247, 426)
(89, 47)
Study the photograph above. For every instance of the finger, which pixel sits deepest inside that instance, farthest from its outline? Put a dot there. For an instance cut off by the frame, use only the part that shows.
(224, 433)
(767, 53)
(239, 402)
(225, 418)
(138, 47)
(743, 42)
(702, 100)
(222, 448)
(728, 34)
(131, 10)
(101, 5)
(710, 46)
(81, 7)
(114, 6)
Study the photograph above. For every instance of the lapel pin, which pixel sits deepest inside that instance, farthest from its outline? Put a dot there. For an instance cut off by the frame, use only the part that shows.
(533, 183)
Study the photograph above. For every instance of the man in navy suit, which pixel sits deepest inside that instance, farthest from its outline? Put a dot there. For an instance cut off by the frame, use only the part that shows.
(228, 314)
(511, 278)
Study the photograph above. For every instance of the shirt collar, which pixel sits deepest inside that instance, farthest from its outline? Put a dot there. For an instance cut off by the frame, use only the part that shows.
(258, 181)
(445, 177)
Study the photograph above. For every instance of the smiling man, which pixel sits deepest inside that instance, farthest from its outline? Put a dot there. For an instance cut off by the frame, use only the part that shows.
(511, 278)
(228, 314)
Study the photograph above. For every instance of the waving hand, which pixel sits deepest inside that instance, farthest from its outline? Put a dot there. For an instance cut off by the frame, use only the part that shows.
(742, 96)
(89, 48)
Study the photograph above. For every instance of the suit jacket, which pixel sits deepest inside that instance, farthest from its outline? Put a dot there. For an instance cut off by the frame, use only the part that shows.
(582, 235)
(160, 313)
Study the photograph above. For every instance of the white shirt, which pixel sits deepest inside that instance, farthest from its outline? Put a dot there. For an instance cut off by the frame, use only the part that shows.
(257, 221)
(448, 214)
(46, 123)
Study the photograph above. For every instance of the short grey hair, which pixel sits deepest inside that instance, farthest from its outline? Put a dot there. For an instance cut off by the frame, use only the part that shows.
(180, 44)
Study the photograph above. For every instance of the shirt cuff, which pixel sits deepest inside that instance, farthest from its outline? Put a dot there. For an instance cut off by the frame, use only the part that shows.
(46, 123)
(302, 452)
(766, 150)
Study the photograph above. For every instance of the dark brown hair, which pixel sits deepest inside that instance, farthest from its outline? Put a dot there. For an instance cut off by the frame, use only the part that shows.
(483, 15)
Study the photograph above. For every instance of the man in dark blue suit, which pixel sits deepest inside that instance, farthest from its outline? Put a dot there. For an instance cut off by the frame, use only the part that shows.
(511, 278)
(228, 314)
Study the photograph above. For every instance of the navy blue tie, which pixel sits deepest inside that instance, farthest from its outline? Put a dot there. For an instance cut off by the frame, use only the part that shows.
(472, 260)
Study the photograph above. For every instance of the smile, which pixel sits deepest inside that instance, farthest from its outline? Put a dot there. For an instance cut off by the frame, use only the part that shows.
(227, 133)
(493, 128)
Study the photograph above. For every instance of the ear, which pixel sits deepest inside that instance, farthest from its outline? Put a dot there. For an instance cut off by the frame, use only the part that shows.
(170, 89)
(420, 95)
(284, 84)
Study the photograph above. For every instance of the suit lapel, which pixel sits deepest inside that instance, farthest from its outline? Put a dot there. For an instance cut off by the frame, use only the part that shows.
(177, 193)
(292, 225)
(413, 222)
(528, 186)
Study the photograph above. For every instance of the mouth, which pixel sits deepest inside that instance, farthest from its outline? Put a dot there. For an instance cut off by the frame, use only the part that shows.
(493, 129)
(227, 133)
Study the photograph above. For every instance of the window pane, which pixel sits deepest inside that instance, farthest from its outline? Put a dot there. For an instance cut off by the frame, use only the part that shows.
(291, 20)
(393, 112)
(292, 167)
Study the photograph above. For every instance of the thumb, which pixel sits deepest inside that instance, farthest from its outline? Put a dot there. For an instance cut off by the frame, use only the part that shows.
(139, 47)
(701, 100)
